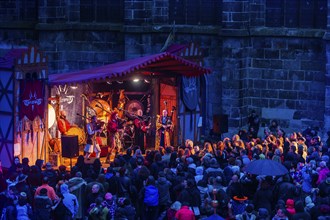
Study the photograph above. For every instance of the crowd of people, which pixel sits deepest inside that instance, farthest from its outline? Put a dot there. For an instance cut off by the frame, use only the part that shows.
(194, 181)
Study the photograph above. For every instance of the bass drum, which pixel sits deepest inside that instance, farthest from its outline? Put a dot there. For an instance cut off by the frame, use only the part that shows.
(101, 108)
(79, 132)
(128, 141)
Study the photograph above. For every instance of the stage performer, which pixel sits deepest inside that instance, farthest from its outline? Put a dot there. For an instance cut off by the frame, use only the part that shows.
(164, 128)
(140, 128)
(92, 145)
(114, 129)
(62, 123)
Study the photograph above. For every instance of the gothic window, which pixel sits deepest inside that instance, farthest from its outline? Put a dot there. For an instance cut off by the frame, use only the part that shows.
(102, 11)
(296, 13)
(195, 12)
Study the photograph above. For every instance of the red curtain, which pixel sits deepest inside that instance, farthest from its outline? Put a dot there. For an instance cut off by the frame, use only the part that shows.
(32, 99)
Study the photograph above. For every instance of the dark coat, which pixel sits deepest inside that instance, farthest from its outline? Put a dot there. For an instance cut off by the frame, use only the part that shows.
(42, 207)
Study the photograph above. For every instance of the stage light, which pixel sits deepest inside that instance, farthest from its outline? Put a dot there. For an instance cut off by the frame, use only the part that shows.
(74, 87)
(146, 81)
(136, 80)
(109, 82)
(120, 82)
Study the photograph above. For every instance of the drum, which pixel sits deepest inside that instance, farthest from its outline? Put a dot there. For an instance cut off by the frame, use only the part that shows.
(79, 132)
(55, 144)
(51, 116)
(101, 108)
(128, 141)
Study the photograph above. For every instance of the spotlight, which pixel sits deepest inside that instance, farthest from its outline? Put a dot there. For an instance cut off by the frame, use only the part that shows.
(74, 87)
(109, 82)
(136, 80)
(146, 81)
(120, 82)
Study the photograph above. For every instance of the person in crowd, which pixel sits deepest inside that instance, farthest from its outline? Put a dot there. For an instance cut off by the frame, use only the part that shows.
(175, 207)
(69, 200)
(23, 208)
(253, 124)
(51, 174)
(50, 190)
(323, 171)
(247, 214)
(25, 165)
(300, 211)
(110, 203)
(23, 186)
(149, 194)
(184, 213)
(163, 186)
(77, 186)
(13, 168)
(97, 210)
(281, 214)
(42, 206)
(125, 210)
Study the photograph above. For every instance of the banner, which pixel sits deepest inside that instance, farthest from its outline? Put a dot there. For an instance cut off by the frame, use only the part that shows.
(32, 99)
(190, 92)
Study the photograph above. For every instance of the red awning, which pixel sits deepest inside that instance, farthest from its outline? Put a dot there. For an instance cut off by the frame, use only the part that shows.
(162, 64)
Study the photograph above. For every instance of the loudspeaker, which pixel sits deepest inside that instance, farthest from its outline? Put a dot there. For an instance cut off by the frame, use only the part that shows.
(70, 147)
(220, 124)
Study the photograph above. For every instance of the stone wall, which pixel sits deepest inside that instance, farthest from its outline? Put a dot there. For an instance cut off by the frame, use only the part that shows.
(279, 72)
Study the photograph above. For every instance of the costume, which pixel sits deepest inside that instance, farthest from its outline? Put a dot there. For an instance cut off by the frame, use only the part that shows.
(63, 124)
(140, 131)
(114, 133)
(164, 128)
(92, 144)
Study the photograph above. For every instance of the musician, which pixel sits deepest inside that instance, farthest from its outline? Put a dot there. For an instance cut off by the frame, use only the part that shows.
(92, 145)
(140, 128)
(114, 129)
(164, 126)
(62, 123)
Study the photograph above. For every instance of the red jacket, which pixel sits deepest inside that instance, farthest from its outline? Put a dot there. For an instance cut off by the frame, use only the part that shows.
(185, 214)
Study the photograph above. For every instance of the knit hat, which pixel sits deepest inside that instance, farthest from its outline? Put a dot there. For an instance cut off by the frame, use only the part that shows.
(199, 170)
(108, 196)
(263, 213)
(308, 201)
(290, 206)
(176, 205)
(64, 188)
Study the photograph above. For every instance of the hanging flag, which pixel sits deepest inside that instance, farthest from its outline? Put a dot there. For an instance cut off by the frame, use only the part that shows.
(32, 99)
(169, 39)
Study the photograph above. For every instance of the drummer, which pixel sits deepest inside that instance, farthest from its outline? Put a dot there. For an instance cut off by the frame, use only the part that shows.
(62, 123)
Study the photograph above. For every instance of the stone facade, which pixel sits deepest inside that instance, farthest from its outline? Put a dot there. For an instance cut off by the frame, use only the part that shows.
(281, 71)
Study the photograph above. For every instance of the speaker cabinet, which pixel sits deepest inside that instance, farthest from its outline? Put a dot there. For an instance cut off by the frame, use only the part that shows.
(70, 147)
(220, 124)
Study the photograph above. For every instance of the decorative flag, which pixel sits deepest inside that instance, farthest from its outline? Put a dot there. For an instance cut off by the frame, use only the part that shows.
(32, 99)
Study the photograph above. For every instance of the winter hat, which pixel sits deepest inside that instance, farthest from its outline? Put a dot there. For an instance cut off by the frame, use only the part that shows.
(308, 201)
(189, 160)
(199, 170)
(108, 196)
(263, 213)
(176, 205)
(64, 188)
(290, 206)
